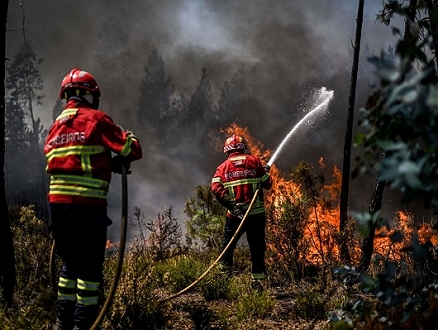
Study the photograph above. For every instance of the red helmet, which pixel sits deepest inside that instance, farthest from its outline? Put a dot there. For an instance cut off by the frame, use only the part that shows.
(234, 142)
(79, 79)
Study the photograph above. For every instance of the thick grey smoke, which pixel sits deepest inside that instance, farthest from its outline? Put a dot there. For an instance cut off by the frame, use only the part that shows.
(290, 47)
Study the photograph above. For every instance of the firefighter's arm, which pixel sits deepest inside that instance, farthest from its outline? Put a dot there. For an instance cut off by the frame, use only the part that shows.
(237, 209)
(220, 192)
(266, 179)
(118, 140)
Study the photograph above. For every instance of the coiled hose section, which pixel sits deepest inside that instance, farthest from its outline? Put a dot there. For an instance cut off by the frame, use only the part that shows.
(220, 256)
(121, 252)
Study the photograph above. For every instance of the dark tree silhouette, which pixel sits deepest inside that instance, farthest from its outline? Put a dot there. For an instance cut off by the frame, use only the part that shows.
(200, 111)
(57, 109)
(379, 186)
(232, 93)
(24, 86)
(156, 91)
(343, 204)
(7, 270)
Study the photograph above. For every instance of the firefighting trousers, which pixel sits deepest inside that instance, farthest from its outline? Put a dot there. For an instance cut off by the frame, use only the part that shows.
(80, 234)
(254, 227)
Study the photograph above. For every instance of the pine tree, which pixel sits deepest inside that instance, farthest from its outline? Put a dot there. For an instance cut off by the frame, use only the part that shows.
(156, 91)
(232, 93)
(200, 110)
(7, 270)
(24, 132)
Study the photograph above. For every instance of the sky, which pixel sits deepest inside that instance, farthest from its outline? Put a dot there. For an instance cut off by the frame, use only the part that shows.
(299, 46)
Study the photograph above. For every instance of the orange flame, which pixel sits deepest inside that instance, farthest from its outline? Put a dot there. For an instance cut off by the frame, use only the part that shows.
(321, 227)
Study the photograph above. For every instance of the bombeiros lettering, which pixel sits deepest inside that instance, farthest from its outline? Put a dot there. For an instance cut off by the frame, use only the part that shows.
(240, 174)
(75, 137)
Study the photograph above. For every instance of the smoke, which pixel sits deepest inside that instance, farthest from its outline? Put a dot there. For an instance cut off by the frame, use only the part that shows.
(288, 47)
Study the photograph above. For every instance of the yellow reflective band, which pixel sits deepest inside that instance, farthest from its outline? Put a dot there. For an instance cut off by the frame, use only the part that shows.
(77, 191)
(86, 163)
(242, 182)
(78, 180)
(87, 301)
(69, 297)
(265, 177)
(66, 283)
(87, 285)
(75, 150)
(216, 179)
(258, 276)
(67, 112)
(127, 147)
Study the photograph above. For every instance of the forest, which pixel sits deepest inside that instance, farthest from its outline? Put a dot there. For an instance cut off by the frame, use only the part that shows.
(330, 265)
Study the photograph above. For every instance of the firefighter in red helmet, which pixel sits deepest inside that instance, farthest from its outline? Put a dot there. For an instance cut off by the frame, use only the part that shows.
(234, 185)
(79, 151)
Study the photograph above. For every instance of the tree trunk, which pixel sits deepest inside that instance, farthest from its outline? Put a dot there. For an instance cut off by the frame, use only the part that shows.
(7, 269)
(343, 221)
(376, 200)
(368, 241)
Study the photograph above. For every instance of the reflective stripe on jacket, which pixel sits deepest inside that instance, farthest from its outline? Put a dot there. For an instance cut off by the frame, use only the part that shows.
(238, 177)
(78, 151)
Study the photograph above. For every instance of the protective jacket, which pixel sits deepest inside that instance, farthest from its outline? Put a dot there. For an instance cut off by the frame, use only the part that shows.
(78, 151)
(238, 178)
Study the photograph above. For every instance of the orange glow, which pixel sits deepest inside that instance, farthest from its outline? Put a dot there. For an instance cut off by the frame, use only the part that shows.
(319, 242)
(110, 245)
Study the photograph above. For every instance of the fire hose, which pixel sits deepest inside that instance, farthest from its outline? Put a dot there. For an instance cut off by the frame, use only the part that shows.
(222, 253)
(120, 255)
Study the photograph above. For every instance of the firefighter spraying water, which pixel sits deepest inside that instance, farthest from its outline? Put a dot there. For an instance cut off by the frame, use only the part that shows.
(235, 184)
(241, 211)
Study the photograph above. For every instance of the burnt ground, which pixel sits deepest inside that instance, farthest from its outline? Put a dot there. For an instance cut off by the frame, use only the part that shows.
(192, 311)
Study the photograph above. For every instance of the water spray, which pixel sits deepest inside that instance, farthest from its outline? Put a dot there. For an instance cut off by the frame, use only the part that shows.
(321, 104)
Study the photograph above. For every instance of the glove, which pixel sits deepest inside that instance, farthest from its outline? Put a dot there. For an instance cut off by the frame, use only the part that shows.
(228, 202)
(239, 210)
(267, 168)
(117, 162)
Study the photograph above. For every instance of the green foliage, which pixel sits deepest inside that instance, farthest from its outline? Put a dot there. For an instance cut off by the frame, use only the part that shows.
(215, 285)
(206, 218)
(32, 307)
(177, 273)
(285, 232)
(399, 294)
(254, 305)
(310, 304)
(135, 305)
(400, 119)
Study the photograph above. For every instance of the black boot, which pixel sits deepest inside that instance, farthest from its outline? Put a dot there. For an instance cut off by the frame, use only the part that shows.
(64, 315)
(59, 325)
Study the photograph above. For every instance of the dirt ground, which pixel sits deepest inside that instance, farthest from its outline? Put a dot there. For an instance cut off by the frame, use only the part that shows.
(282, 317)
